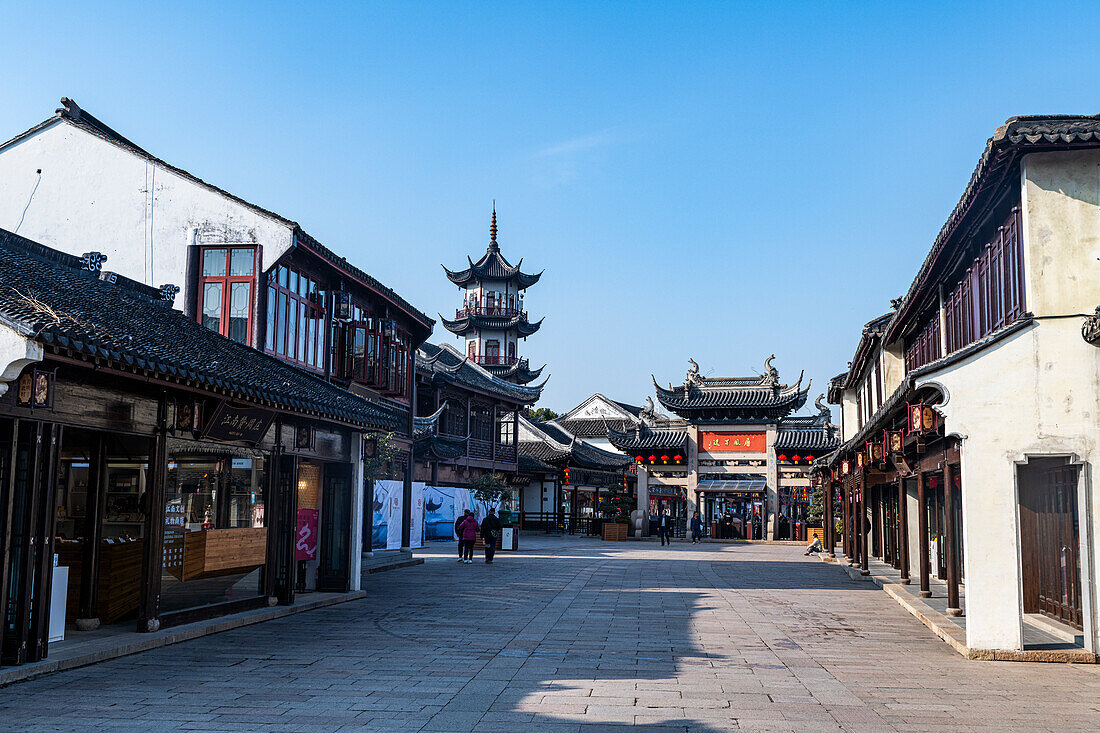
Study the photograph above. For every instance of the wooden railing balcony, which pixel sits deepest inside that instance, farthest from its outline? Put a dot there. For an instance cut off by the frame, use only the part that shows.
(490, 310)
(497, 360)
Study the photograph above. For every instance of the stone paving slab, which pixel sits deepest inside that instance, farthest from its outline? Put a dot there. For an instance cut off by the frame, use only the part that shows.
(573, 635)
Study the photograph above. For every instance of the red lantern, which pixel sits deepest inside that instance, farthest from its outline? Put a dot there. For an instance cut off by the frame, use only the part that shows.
(653, 459)
(677, 458)
(782, 457)
(664, 458)
(796, 458)
(638, 459)
(809, 459)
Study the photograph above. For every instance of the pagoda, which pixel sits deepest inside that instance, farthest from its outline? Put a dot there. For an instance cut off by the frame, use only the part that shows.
(492, 318)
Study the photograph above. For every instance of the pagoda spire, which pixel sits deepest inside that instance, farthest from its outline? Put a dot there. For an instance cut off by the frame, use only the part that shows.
(493, 226)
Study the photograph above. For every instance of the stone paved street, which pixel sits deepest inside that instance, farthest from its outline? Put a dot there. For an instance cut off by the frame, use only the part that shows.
(574, 634)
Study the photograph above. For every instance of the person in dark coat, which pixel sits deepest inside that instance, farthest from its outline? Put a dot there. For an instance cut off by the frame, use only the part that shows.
(490, 533)
(664, 528)
(458, 533)
(696, 528)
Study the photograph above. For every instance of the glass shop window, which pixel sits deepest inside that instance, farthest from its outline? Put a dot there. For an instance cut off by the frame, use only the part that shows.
(227, 276)
(215, 532)
(295, 318)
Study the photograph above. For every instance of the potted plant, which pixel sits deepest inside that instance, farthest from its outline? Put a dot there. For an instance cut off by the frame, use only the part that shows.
(616, 513)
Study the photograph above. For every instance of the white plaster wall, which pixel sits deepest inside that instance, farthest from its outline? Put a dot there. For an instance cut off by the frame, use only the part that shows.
(1035, 393)
(850, 413)
(893, 369)
(1062, 225)
(94, 196)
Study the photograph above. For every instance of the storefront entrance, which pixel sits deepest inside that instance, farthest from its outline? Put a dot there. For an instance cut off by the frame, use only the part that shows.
(333, 573)
(1050, 540)
(730, 515)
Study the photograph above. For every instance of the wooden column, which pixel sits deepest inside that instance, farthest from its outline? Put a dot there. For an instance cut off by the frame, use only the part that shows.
(87, 616)
(272, 517)
(903, 530)
(922, 536)
(846, 510)
(861, 526)
(17, 645)
(288, 490)
(827, 497)
(46, 530)
(951, 554)
(149, 606)
(7, 493)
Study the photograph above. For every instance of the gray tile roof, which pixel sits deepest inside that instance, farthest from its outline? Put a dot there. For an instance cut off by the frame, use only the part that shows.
(48, 296)
(442, 362)
(647, 438)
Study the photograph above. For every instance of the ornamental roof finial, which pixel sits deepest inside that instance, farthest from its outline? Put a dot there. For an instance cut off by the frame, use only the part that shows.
(493, 226)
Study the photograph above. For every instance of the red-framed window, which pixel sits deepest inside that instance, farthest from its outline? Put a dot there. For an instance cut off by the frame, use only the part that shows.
(227, 276)
(295, 318)
(373, 352)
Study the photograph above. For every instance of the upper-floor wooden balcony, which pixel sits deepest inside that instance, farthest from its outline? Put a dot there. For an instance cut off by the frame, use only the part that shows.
(501, 311)
(498, 360)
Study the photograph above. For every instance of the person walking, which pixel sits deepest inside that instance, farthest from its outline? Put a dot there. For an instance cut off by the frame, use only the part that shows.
(696, 528)
(490, 532)
(458, 532)
(468, 534)
(664, 528)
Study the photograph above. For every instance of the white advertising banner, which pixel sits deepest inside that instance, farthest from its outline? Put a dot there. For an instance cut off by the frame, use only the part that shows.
(416, 531)
(462, 502)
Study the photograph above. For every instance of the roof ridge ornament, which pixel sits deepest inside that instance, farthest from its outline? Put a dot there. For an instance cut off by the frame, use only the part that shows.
(93, 261)
(692, 375)
(771, 374)
(493, 228)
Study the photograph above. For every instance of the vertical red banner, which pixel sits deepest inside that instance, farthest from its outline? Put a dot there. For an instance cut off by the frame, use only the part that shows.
(305, 542)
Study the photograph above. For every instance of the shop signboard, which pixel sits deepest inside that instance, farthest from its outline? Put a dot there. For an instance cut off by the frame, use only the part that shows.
(305, 545)
(730, 442)
(233, 422)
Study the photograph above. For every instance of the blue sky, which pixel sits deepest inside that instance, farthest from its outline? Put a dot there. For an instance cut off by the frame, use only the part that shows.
(718, 181)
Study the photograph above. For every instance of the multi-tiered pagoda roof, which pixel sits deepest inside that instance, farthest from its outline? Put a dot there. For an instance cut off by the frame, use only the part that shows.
(472, 322)
(733, 399)
(492, 266)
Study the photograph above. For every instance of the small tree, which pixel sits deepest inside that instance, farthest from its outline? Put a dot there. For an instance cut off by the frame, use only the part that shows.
(541, 414)
(379, 465)
(489, 490)
(815, 513)
(616, 507)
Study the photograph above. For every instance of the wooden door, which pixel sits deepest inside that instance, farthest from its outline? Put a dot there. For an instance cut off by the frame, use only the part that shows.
(334, 571)
(1059, 561)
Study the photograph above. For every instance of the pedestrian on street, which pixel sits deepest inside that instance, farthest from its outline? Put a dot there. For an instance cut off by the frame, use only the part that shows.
(696, 528)
(467, 537)
(490, 532)
(664, 527)
(815, 546)
(458, 532)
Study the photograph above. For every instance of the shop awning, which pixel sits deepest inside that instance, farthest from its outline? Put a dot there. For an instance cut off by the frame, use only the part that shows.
(747, 482)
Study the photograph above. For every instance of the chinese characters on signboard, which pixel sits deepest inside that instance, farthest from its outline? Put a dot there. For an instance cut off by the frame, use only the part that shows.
(712, 442)
(173, 539)
(229, 422)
